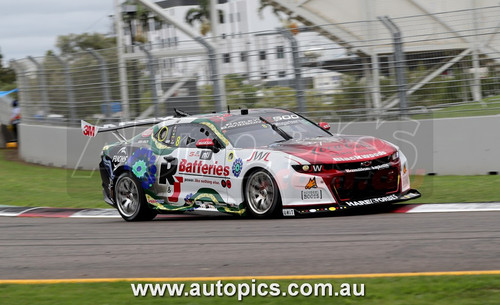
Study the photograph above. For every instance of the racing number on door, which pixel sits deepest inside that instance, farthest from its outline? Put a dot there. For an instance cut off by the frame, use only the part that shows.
(167, 172)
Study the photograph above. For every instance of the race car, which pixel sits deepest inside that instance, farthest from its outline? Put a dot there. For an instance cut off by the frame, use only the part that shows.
(258, 162)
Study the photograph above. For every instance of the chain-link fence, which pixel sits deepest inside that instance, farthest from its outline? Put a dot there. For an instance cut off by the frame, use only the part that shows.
(304, 71)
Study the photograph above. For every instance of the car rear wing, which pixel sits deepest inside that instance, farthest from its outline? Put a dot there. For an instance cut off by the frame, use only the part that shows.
(90, 130)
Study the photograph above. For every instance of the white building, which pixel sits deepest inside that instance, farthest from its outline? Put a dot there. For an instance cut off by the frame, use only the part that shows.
(246, 43)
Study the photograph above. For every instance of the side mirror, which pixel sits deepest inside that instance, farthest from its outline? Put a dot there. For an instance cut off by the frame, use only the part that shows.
(205, 143)
(324, 125)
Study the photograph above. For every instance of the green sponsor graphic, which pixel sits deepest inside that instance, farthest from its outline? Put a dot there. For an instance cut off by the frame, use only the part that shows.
(203, 198)
(139, 168)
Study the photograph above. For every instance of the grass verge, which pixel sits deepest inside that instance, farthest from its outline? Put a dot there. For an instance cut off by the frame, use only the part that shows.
(490, 106)
(443, 189)
(23, 184)
(420, 290)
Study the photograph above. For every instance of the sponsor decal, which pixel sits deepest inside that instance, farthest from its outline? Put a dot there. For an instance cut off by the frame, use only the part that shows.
(360, 157)
(89, 130)
(311, 184)
(241, 123)
(122, 150)
(288, 212)
(317, 168)
(343, 148)
(119, 159)
(311, 195)
(142, 164)
(206, 155)
(167, 172)
(362, 169)
(237, 167)
(372, 201)
(205, 142)
(195, 153)
(199, 167)
(259, 156)
(146, 133)
(154, 201)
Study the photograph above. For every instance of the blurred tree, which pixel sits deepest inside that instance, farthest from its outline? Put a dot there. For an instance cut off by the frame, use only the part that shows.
(74, 43)
(238, 94)
(201, 14)
(282, 97)
(136, 14)
(7, 77)
(287, 20)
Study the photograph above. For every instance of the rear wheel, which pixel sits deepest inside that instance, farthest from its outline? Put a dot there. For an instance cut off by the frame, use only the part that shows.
(262, 195)
(130, 199)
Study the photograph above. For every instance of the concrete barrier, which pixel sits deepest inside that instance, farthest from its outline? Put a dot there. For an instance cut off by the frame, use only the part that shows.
(455, 146)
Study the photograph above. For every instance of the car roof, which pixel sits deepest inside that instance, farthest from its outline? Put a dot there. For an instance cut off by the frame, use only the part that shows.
(226, 116)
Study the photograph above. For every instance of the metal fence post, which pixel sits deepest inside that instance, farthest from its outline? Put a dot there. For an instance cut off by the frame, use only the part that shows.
(216, 76)
(22, 86)
(43, 85)
(106, 90)
(297, 69)
(399, 58)
(152, 76)
(69, 90)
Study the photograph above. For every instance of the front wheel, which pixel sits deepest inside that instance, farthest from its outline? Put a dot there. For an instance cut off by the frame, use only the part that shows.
(262, 195)
(130, 200)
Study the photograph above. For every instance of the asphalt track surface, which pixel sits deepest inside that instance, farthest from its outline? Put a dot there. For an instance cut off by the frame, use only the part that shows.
(50, 248)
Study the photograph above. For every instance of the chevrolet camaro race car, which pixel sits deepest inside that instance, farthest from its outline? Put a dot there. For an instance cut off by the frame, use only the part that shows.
(262, 162)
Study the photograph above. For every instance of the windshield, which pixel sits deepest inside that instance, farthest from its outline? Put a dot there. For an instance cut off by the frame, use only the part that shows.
(252, 132)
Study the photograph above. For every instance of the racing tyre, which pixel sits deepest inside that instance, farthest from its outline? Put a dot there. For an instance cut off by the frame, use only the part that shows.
(262, 195)
(130, 199)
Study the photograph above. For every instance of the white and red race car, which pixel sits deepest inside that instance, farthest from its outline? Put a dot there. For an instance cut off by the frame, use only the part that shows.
(262, 162)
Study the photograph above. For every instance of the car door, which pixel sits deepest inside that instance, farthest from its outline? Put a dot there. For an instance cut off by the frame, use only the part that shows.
(201, 174)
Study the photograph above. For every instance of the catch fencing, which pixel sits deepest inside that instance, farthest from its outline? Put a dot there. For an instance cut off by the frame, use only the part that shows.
(298, 69)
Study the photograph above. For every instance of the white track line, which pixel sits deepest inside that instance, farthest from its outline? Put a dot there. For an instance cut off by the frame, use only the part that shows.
(455, 207)
(12, 214)
(97, 213)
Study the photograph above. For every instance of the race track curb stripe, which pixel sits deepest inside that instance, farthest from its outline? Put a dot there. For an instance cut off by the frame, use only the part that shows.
(243, 278)
(15, 211)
